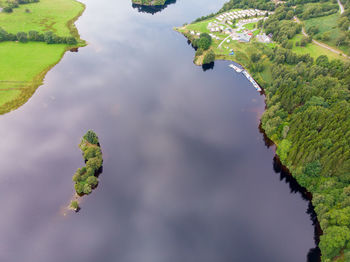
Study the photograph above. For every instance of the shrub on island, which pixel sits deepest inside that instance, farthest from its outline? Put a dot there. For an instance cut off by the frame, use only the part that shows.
(85, 178)
(74, 205)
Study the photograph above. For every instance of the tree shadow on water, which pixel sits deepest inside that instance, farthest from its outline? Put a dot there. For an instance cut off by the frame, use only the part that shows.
(314, 254)
(206, 67)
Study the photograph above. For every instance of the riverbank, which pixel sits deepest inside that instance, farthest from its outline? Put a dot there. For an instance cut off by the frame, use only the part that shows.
(24, 65)
(299, 109)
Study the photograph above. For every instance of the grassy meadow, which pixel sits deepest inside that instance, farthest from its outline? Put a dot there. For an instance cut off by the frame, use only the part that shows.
(23, 65)
(327, 25)
(312, 49)
(46, 15)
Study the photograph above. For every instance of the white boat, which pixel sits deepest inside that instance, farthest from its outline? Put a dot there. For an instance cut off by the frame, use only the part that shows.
(237, 69)
(255, 84)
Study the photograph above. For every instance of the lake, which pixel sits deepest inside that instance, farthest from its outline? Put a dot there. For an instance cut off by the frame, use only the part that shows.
(187, 175)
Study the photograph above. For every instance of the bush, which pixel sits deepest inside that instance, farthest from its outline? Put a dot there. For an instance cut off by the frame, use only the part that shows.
(22, 37)
(79, 188)
(94, 163)
(87, 189)
(209, 57)
(255, 57)
(204, 43)
(289, 45)
(34, 36)
(199, 52)
(92, 151)
(91, 137)
(7, 9)
(92, 181)
(303, 41)
(74, 204)
(70, 40)
(76, 177)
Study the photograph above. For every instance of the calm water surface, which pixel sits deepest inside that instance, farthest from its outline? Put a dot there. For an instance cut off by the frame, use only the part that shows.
(187, 175)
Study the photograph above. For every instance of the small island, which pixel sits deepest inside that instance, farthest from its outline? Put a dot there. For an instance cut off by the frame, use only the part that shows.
(86, 177)
(151, 6)
(149, 2)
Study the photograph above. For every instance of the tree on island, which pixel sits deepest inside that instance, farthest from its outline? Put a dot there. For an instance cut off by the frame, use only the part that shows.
(91, 137)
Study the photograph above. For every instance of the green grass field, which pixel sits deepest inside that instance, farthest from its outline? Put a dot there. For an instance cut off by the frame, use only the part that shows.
(22, 69)
(312, 49)
(23, 65)
(22, 62)
(46, 15)
(324, 23)
(200, 26)
(327, 24)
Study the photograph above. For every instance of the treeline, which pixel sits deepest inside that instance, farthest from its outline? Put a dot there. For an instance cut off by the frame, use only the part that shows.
(10, 5)
(204, 17)
(300, 2)
(241, 4)
(316, 10)
(247, 4)
(35, 36)
(86, 177)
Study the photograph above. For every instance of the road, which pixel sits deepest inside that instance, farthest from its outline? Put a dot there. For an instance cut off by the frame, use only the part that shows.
(319, 43)
(223, 41)
(341, 7)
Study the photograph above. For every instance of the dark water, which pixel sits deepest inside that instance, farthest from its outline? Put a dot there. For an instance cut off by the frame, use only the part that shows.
(187, 175)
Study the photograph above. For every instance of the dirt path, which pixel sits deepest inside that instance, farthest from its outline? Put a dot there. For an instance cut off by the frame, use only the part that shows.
(223, 41)
(341, 7)
(319, 43)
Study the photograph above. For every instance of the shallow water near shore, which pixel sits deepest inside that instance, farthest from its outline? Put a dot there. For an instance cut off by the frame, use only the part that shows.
(186, 176)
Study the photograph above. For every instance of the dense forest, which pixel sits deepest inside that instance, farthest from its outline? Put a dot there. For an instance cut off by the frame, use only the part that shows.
(308, 116)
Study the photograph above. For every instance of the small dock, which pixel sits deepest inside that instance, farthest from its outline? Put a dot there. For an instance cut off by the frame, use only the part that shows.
(247, 75)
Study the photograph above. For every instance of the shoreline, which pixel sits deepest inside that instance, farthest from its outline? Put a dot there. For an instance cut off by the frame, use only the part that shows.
(269, 142)
(28, 91)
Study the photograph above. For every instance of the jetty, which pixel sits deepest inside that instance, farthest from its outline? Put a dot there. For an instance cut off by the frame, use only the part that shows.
(236, 68)
(247, 75)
